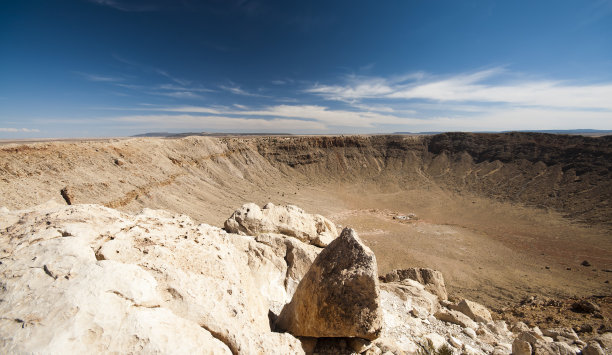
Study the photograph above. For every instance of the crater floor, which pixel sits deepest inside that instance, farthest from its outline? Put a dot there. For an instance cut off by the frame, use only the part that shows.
(502, 216)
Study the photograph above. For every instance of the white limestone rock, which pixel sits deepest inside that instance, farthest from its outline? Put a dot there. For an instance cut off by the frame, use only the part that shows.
(414, 294)
(431, 279)
(555, 333)
(455, 317)
(287, 220)
(84, 278)
(436, 341)
(476, 311)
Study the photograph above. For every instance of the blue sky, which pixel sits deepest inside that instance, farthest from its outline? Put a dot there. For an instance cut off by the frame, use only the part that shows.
(91, 68)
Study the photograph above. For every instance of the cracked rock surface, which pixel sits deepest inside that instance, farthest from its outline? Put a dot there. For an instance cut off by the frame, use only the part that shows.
(86, 278)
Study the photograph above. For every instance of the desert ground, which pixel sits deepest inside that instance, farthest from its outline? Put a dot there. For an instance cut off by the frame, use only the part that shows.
(502, 216)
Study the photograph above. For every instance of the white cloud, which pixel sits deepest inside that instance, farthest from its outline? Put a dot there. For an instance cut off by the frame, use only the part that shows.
(325, 115)
(192, 109)
(284, 81)
(183, 88)
(121, 6)
(376, 108)
(237, 90)
(222, 123)
(366, 88)
(99, 78)
(321, 114)
(536, 119)
(473, 88)
(486, 100)
(165, 74)
(29, 130)
(462, 118)
(178, 94)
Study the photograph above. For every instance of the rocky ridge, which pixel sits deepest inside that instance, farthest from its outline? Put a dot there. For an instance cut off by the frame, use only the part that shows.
(87, 278)
(568, 173)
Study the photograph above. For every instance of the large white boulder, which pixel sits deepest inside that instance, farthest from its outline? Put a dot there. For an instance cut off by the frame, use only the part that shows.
(84, 278)
(286, 220)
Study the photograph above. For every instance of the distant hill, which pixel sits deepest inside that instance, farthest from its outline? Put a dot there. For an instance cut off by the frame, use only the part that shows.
(551, 131)
(154, 134)
(206, 134)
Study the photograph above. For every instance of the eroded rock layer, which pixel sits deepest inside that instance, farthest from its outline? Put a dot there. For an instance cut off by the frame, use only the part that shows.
(572, 174)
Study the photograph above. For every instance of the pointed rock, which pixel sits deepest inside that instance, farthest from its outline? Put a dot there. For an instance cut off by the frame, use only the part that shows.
(339, 295)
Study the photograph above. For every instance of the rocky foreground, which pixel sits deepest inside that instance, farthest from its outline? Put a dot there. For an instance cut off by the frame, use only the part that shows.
(87, 278)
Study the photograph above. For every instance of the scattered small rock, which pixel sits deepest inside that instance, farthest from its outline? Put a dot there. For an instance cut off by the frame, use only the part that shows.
(521, 347)
(585, 328)
(557, 333)
(593, 348)
(359, 345)
(455, 342)
(605, 340)
(67, 196)
(584, 306)
(470, 332)
(436, 341)
(585, 263)
(475, 311)
(455, 317)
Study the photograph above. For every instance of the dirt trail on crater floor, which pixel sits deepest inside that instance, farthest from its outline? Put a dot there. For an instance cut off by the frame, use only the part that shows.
(503, 216)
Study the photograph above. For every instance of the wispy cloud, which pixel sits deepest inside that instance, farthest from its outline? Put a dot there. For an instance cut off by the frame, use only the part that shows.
(492, 99)
(179, 94)
(29, 130)
(282, 81)
(594, 12)
(195, 109)
(125, 6)
(168, 90)
(325, 116)
(172, 78)
(184, 88)
(237, 90)
(476, 87)
(234, 124)
(153, 69)
(328, 116)
(177, 88)
(99, 78)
